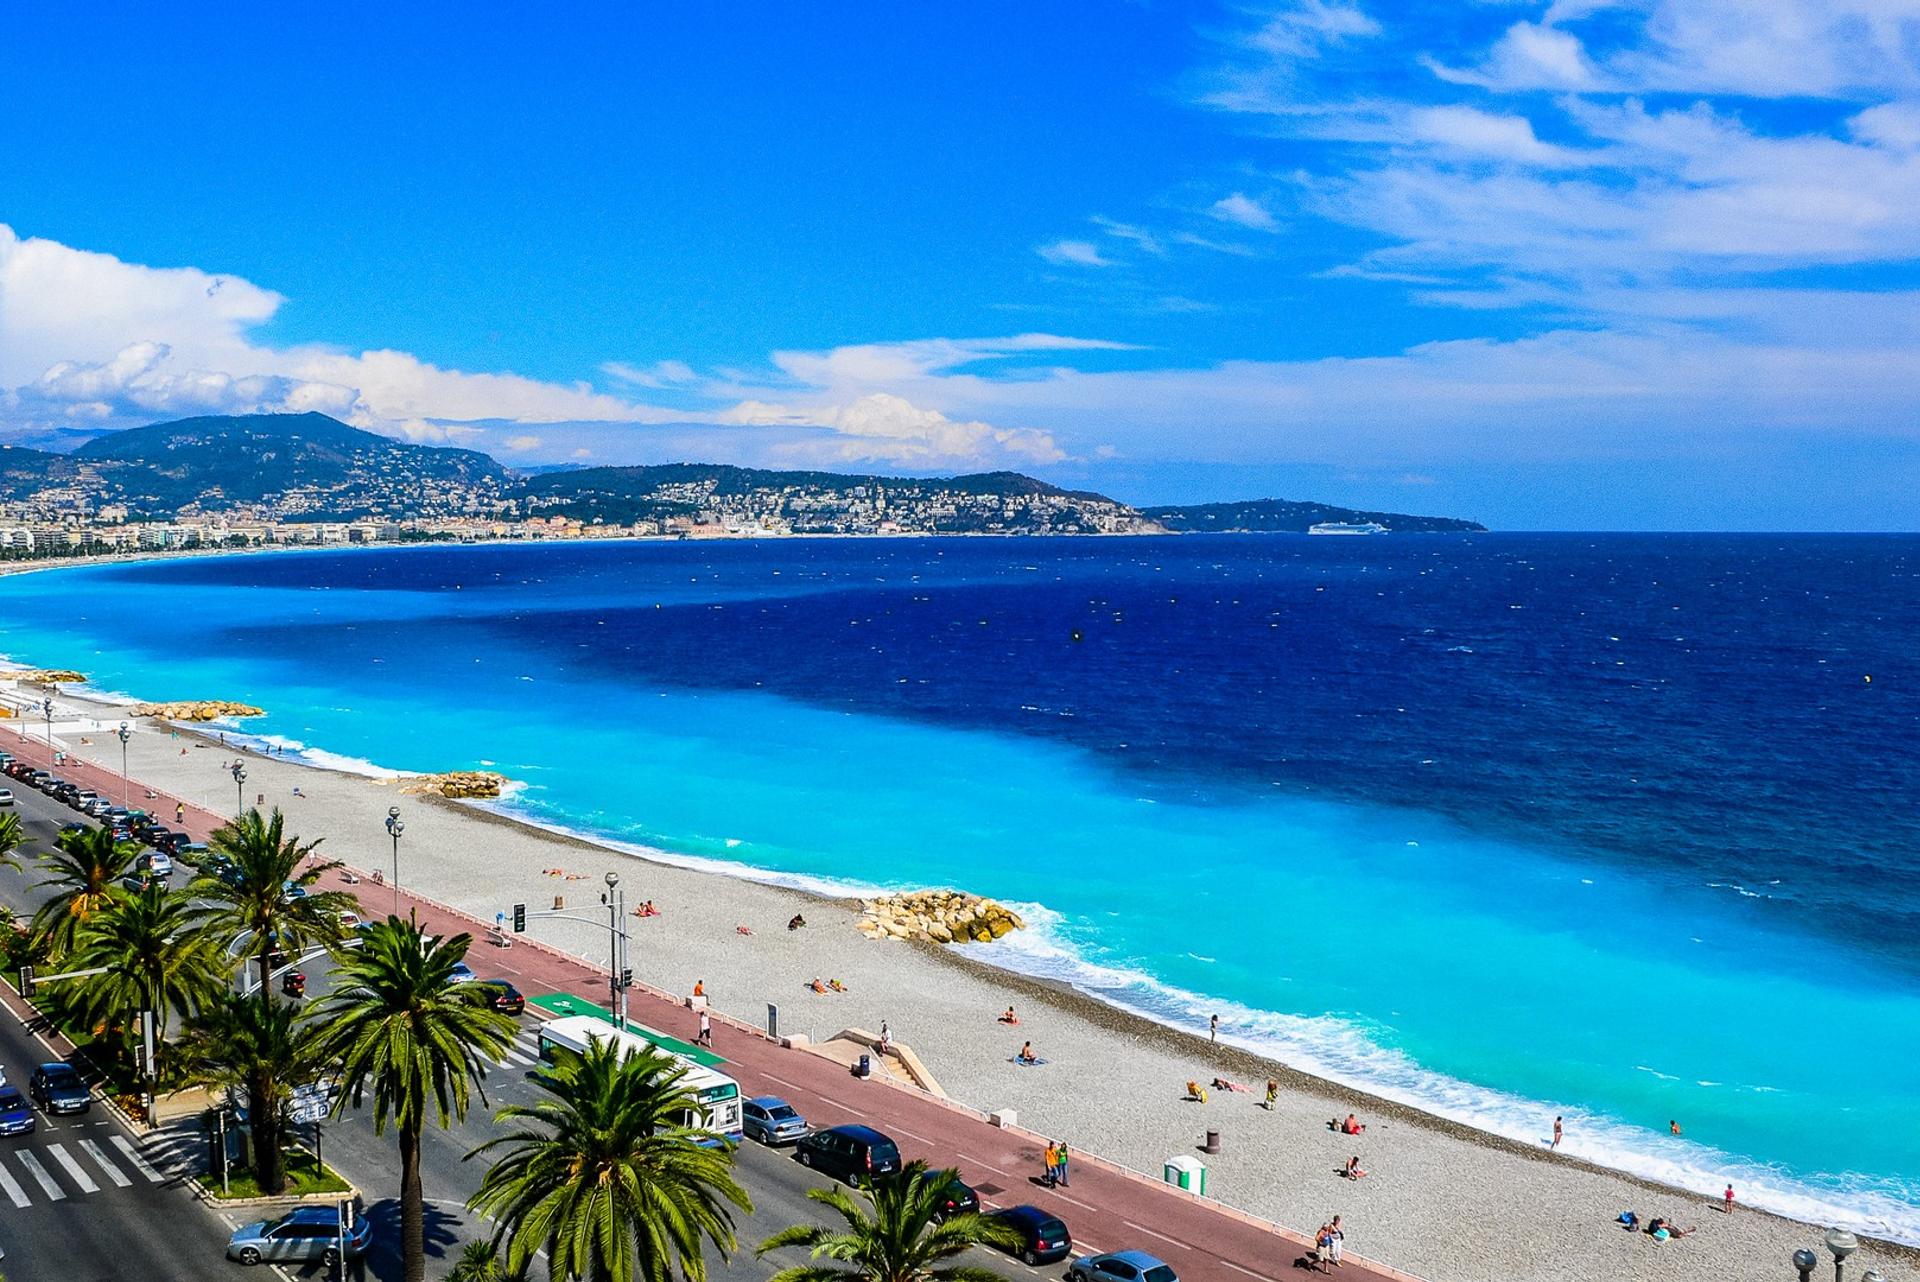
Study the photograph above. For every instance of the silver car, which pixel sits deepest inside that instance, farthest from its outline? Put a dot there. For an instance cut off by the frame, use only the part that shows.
(304, 1233)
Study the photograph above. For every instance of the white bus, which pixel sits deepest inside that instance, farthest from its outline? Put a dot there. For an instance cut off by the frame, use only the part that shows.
(718, 1094)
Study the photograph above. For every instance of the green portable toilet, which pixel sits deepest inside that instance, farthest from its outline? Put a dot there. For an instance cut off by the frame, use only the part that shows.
(1189, 1173)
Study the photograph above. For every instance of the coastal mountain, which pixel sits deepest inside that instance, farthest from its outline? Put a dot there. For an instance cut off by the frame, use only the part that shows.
(828, 502)
(1284, 516)
(309, 467)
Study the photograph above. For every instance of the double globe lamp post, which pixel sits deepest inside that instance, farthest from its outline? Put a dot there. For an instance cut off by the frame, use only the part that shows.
(1840, 1245)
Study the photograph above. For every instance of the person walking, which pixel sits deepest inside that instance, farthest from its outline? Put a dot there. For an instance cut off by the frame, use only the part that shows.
(706, 1028)
(1060, 1156)
(1336, 1240)
(1557, 1134)
(179, 812)
(1052, 1159)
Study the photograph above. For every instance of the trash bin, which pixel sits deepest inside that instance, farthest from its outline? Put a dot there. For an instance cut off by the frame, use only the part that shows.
(864, 1068)
(1189, 1173)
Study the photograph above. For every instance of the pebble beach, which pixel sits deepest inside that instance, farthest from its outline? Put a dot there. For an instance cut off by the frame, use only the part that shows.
(1440, 1200)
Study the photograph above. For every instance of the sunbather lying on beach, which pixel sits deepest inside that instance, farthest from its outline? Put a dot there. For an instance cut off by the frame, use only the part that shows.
(1226, 1084)
(743, 930)
(836, 986)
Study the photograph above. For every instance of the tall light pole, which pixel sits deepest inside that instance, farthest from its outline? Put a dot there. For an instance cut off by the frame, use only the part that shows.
(616, 990)
(239, 789)
(126, 788)
(394, 828)
(46, 710)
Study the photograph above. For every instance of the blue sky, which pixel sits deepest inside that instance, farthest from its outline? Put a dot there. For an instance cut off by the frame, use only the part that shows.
(1580, 264)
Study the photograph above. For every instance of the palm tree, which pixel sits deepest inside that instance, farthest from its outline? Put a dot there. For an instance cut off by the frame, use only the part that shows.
(898, 1237)
(156, 957)
(402, 1029)
(263, 1050)
(605, 1176)
(478, 1262)
(253, 894)
(85, 867)
(11, 839)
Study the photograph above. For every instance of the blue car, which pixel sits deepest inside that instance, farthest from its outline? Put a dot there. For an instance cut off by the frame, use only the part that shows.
(1121, 1266)
(771, 1120)
(16, 1115)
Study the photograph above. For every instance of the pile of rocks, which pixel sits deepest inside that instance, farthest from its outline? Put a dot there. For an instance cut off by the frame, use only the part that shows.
(48, 676)
(937, 916)
(458, 785)
(194, 710)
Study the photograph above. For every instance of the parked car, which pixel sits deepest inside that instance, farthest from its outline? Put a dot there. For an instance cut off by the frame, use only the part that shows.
(849, 1153)
(961, 1199)
(1043, 1235)
(16, 1115)
(81, 798)
(95, 808)
(501, 995)
(1121, 1266)
(61, 790)
(462, 974)
(771, 1120)
(6, 796)
(195, 853)
(157, 862)
(58, 1089)
(65, 829)
(305, 1233)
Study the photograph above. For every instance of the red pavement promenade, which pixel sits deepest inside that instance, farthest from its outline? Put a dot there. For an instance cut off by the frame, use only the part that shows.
(1108, 1207)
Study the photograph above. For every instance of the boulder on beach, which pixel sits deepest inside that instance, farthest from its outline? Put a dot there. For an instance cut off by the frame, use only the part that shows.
(937, 917)
(194, 710)
(457, 785)
(48, 676)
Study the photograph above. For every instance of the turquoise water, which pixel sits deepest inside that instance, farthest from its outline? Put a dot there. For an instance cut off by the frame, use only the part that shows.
(1388, 940)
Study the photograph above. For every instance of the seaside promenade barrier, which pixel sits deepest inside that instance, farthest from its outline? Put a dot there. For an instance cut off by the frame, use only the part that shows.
(1132, 1202)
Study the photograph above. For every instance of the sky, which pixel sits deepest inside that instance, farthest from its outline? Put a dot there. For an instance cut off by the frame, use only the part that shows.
(1569, 265)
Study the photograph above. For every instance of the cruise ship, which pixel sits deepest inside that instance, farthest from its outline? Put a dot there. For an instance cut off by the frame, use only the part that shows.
(1347, 527)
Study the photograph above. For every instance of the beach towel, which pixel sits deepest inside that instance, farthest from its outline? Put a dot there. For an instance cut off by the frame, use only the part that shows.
(1027, 1063)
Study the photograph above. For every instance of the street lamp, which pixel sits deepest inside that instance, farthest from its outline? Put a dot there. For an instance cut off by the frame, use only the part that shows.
(126, 788)
(394, 828)
(616, 992)
(1840, 1244)
(239, 789)
(46, 710)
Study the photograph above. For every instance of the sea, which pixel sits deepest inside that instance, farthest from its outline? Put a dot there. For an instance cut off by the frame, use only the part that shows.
(1623, 828)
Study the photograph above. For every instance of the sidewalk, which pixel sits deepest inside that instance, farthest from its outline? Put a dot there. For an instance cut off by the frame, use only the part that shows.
(1107, 1207)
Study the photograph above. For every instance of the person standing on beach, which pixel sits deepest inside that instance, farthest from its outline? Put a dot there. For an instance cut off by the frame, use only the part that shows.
(1729, 1199)
(1273, 1092)
(1556, 1134)
(1213, 1029)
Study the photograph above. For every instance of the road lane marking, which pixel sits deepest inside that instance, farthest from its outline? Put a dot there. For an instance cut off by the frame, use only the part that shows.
(140, 1163)
(1249, 1272)
(910, 1135)
(1150, 1233)
(80, 1177)
(100, 1160)
(14, 1191)
(981, 1161)
(41, 1177)
(784, 1082)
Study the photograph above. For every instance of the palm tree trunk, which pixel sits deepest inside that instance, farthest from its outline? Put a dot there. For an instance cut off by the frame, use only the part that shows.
(263, 1107)
(413, 1218)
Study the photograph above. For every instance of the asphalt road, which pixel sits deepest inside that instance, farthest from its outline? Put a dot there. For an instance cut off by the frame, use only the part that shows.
(135, 1225)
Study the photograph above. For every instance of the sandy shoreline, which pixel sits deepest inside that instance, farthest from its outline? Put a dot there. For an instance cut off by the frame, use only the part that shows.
(1442, 1200)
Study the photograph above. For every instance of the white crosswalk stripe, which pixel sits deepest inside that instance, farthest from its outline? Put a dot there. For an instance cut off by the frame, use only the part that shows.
(100, 1160)
(59, 1154)
(140, 1164)
(13, 1189)
(41, 1176)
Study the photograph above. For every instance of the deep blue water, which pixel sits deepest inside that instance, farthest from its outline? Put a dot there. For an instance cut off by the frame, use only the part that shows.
(1616, 826)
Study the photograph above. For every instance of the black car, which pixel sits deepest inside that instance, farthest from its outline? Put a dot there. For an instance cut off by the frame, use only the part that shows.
(58, 1088)
(1043, 1236)
(503, 997)
(61, 790)
(849, 1153)
(961, 1200)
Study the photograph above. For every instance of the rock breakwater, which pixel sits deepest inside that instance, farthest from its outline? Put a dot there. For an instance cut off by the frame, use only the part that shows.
(937, 916)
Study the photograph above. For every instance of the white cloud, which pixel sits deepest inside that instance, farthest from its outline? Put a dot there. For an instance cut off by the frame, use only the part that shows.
(1304, 29)
(1243, 211)
(880, 427)
(660, 374)
(523, 442)
(1145, 240)
(89, 334)
(1073, 253)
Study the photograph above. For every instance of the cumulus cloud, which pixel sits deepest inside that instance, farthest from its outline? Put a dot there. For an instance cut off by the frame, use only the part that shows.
(1243, 211)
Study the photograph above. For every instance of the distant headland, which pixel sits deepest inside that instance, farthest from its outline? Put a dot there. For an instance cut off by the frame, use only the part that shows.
(253, 480)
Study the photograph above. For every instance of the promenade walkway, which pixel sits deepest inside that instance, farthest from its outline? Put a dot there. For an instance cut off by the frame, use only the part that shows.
(1106, 1206)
